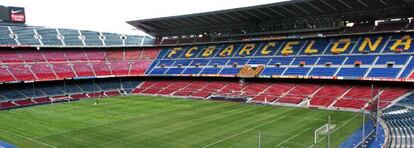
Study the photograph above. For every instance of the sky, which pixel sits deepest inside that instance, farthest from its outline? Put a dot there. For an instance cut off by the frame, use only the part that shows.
(111, 15)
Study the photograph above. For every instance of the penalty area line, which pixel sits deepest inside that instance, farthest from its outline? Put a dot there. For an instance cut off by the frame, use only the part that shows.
(237, 134)
(356, 115)
(31, 139)
(287, 140)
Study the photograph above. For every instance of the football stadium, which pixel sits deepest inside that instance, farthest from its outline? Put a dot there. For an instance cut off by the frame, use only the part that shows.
(291, 74)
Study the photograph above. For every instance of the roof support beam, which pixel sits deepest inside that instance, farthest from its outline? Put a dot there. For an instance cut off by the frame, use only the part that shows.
(252, 14)
(284, 8)
(343, 3)
(264, 13)
(165, 23)
(237, 13)
(220, 18)
(231, 17)
(173, 22)
(313, 6)
(300, 8)
(191, 20)
(215, 21)
(383, 2)
(329, 5)
(360, 1)
(201, 20)
(276, 12)
(182, 21)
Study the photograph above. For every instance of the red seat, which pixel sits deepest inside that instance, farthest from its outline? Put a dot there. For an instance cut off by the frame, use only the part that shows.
(139, 67)
(5, 76)
(21, 72)
(82, 69)
(120, 68)
(76, 55)
(7, 105)
(63, 70)
(24, 102)
(43, 71)
(101, 69)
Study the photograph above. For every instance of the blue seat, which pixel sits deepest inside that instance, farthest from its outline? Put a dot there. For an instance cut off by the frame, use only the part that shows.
(352, 72)
(113, 39)
(408, 69)
(335, 60)
(307, 60)
(5, 38)
(192, 71)
(397, 59)
(158, 71)
(230, 71)
(211, 71)
(262, 61)
(25, 35)
(239, 61)
(365, 59)
(71, 37)
(220, 62)
(134, 40)
(296, 71)
(182, 62)
(384, 72)
(281, 60)
(269, 71)
(92, 38)
(175, 70)
(318, 71)
(49, 36)
(201, 62)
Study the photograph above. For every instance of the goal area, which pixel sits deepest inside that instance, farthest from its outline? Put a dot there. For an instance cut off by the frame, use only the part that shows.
(322, 132)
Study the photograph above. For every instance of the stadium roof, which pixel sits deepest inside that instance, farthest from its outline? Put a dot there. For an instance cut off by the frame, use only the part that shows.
(294, 9)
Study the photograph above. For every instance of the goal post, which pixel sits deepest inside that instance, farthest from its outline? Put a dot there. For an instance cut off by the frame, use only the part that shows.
(323, 132)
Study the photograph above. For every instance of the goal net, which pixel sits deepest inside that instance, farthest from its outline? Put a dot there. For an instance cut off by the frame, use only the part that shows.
(59, 99)
(322, 132)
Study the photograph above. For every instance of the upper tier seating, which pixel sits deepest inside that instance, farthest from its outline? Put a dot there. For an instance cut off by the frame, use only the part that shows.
(5, 36)
(25, 35)
(49, 36)
(373, 57)
(41, 36)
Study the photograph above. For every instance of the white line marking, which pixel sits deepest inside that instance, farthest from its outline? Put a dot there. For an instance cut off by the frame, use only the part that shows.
(18, 135)
(287, 140)
(356, 115)
(237, 134)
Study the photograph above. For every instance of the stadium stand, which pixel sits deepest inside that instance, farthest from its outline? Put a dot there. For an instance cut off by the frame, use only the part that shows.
(328, 96)
(360, 57)
(19, 95)
(399, 120)
(18, 35)
(306, 39)
(56, 64)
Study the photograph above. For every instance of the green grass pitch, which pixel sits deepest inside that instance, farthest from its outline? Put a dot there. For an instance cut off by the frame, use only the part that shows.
(143, 121)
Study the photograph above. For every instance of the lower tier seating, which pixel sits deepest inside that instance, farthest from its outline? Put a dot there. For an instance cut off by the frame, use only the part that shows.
(18, 95)
(334, 96)
(399, 120)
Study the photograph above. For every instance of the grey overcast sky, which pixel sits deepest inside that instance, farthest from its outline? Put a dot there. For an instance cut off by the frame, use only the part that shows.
(110, 15)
